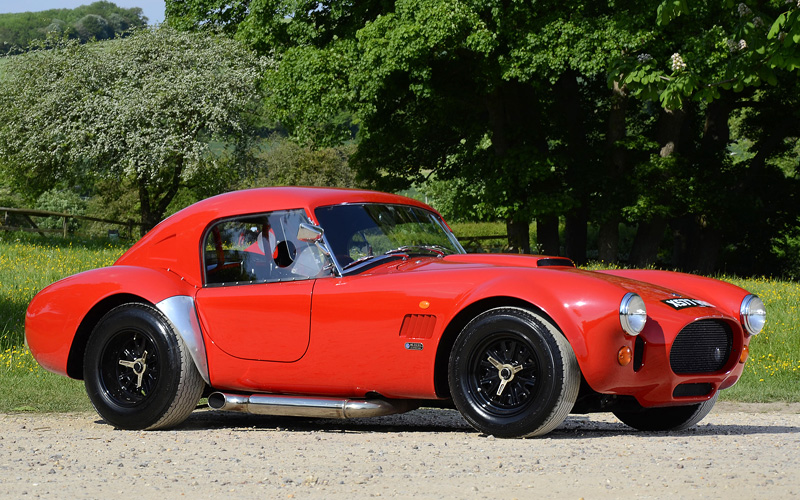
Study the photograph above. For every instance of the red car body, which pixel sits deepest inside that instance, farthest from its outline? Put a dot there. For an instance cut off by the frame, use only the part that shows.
(387, 330)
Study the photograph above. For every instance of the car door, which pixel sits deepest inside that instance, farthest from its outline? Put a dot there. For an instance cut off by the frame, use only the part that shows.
(256, 301)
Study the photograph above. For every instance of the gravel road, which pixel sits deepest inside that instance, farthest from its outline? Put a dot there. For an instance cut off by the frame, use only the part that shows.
(739, 451)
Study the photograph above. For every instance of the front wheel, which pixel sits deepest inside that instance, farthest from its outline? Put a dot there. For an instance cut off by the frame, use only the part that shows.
(138, 372)
(513, 374)
(671, 418)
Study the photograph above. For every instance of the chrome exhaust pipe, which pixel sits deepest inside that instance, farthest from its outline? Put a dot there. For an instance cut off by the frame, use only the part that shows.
(306, 406)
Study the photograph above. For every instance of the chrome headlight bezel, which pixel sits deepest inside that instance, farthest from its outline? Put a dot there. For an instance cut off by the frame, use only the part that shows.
(752, 314)
(632, 314)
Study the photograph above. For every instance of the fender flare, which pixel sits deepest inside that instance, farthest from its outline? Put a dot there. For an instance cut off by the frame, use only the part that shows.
(181, 312)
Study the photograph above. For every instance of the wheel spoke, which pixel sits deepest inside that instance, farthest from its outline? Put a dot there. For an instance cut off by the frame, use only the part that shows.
(495, 363)
(502, 386)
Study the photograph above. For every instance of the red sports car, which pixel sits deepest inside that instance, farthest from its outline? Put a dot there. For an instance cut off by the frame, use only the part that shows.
(348, 303)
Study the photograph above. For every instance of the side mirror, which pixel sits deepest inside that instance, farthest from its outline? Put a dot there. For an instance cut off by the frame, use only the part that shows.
(309, 233)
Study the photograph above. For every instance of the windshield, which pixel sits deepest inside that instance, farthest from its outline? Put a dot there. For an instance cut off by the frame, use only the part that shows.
(358, 233)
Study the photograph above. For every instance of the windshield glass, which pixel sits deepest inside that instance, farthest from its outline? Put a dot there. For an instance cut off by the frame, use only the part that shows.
(357, 233)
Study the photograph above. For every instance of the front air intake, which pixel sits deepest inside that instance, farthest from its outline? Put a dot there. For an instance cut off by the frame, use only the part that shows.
(701, 347)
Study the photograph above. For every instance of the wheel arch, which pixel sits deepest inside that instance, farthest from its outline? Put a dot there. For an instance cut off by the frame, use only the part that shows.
(461, 320)
(86, 326)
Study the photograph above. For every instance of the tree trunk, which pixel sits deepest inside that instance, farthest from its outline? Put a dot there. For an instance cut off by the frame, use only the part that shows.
(518, 236)
(579, 163)
(696, 245)
(608, 241)
(145, 211)
(149, 191)
(510, 111)
(696, 237)
(575, 228)
(616, 166)
(650, 233)
(646, 242)
(547, 235)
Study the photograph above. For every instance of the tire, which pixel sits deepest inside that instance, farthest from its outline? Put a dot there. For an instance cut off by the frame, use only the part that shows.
(531, 355)
(672, 418)
(134, 390)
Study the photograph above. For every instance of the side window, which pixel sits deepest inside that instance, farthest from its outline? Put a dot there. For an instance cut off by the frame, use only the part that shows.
(261, 248)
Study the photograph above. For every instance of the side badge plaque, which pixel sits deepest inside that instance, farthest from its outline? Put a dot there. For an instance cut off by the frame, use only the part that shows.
(414, 346)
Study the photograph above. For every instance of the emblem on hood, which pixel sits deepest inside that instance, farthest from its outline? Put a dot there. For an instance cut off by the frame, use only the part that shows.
(684, 303)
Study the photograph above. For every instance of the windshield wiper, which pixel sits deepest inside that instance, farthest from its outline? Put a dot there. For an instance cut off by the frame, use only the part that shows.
(358, 261)
(438, 250)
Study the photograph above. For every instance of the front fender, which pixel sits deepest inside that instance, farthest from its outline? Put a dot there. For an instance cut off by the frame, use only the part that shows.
(585, 309)
(56, 314)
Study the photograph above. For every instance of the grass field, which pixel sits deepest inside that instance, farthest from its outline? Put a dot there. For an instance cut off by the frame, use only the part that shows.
(28, 263)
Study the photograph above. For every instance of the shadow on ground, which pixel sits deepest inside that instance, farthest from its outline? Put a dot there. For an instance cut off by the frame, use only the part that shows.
(439, 420)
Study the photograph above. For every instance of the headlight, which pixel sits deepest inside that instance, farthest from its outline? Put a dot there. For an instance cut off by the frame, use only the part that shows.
(753, 314)
(632, 314)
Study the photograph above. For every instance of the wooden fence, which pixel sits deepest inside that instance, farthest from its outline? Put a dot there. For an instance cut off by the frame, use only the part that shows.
(473, 244)
(13, 216)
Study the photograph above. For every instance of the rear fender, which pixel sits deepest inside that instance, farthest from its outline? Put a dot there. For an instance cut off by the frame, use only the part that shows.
(61, 317)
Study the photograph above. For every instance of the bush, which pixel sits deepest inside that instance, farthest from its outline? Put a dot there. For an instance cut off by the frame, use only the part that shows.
(787, 249)
(286, 163)
(62, 201)
(93, 26)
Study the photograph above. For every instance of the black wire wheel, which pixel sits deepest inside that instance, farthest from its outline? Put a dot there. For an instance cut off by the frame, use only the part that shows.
(671, 418)
(138, 372)
(513, 374)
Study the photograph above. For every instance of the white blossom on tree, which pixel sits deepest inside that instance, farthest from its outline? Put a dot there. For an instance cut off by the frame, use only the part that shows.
(146, 108)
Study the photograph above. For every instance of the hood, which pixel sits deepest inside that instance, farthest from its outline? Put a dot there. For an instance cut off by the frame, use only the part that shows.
(511, 260)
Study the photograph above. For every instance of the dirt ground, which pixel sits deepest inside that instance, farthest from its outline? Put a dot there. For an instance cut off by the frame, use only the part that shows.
(739, 451)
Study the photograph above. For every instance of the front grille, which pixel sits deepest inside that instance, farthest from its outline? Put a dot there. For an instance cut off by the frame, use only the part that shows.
(701, 347)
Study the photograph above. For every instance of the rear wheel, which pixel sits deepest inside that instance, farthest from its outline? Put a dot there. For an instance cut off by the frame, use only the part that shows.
(672, 418)
(513, 374)
(138, 372)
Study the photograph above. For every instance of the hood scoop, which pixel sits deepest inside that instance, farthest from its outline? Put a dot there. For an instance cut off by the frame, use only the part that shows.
(555, 262)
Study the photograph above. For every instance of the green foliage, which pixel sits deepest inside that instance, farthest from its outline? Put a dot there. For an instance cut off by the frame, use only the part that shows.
(786, 247)
(64, 201)
(511, 103)
(93, 26)
(286, 163)
(99, 20)
(713, 47)
(159, 109)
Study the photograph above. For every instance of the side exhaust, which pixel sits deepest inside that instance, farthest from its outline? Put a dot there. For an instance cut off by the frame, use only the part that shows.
(304, 406)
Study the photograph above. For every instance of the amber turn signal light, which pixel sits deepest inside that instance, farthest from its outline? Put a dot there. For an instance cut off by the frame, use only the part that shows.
(624, 356)
(745, 354)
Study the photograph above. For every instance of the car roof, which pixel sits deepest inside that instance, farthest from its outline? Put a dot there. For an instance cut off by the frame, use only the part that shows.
(175, 243)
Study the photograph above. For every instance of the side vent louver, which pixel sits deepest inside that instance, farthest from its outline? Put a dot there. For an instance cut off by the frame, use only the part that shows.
(418, 326)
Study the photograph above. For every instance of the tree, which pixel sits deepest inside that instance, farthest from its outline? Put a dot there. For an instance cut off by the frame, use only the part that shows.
(160, 109)
(703, 64)
(451, 89)
(601, 112)
(98, 20)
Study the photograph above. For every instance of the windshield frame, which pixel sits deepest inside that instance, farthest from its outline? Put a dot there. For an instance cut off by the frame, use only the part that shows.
(336, 237)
